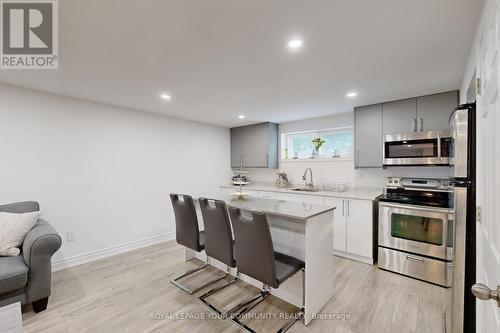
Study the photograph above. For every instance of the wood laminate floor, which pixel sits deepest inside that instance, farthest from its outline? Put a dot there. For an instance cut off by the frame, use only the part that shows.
(131, 292)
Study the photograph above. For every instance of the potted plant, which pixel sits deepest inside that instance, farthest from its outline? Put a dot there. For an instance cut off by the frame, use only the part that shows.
(317, 142)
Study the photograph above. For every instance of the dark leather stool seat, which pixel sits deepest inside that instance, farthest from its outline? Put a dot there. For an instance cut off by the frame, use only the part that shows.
(286, 266)
(202, 239)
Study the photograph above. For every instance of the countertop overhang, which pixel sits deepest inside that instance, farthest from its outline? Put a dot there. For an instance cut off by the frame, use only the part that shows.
(283, 208)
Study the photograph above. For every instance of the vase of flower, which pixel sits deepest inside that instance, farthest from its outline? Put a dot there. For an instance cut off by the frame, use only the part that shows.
(282, 180)
(317, 143)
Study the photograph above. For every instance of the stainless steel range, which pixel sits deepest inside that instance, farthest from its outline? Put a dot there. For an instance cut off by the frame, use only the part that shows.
(416, 229)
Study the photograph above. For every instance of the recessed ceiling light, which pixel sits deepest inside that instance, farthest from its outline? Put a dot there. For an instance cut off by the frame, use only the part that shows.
(241, 116)
(352, 94)
(166, 97)
(295, 43)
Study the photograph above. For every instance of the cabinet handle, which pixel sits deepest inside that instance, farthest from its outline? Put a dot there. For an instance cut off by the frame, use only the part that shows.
(357, 157)
(267, 160)
(348, 208)
(421, 125)
(414, 124)
(343, 207)
(439, 145)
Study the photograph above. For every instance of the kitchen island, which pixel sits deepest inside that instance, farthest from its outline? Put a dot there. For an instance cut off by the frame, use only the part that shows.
(354, 221)
(301, 230)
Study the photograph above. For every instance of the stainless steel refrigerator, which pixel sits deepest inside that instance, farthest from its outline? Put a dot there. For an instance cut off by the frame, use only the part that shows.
(461, 313)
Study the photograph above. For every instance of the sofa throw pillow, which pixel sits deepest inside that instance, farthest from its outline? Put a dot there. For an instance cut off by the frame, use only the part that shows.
(13, 229)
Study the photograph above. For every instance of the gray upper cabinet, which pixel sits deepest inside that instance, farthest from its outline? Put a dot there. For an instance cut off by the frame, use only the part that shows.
(400, 117)
(236, 146)
(248, 146)
(256, 145)
(374, 122)
(433, 111)
(368, 121)
(421, 114)
(265, 145)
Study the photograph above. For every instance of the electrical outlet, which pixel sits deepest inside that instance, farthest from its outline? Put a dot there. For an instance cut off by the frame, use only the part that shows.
(70, 236)
(479, 214)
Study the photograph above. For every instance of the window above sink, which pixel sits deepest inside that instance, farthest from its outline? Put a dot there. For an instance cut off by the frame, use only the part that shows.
(338, 145)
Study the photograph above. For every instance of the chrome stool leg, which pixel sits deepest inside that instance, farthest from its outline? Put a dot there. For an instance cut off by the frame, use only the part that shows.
(204, 301)
(175, 280)
(297, 315)
(245, 307)
(264, 293)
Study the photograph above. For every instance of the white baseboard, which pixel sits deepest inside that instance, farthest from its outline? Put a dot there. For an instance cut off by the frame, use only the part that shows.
(356, 257)
(110, 251)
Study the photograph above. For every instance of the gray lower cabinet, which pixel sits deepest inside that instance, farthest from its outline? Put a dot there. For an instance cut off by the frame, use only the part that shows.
(400, 117)
(433, 111)
(368, 127)
(255, 145)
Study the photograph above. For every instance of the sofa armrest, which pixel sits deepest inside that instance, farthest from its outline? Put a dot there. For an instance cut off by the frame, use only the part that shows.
(38, 247)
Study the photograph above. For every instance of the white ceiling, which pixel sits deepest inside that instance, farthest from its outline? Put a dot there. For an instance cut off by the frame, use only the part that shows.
(222, 58)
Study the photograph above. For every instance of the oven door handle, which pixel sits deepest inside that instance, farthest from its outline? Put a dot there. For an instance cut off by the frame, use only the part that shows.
(421, 208)
(416, 259)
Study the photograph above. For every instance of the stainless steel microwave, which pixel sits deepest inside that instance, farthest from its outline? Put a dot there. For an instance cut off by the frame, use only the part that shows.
(420, 148)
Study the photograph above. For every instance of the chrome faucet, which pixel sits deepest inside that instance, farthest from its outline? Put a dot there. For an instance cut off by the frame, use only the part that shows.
(304, 177)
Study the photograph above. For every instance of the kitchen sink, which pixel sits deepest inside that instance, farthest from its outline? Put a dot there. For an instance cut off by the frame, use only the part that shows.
(303, 189)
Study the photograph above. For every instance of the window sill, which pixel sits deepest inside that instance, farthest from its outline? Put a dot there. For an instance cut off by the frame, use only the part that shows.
(316, 160)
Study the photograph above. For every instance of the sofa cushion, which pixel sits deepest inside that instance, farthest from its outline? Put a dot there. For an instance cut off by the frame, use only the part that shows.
(13, 274)
(20, 207)
(13, 229)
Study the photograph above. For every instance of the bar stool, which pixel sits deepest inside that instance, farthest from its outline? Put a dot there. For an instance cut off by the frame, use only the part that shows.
(188, 234)
(218, 241)
(255, 257)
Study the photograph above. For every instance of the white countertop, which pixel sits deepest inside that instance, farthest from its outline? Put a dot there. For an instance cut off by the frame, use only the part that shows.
(290, 209)
(362, 193)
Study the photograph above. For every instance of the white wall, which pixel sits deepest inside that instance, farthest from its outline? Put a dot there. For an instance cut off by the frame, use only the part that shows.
(339, 171)
(103, 172)
(487, 14)
(337, 120)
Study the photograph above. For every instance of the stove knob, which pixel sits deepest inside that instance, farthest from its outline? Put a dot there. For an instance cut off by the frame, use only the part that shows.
(395, 181)
(389, 181)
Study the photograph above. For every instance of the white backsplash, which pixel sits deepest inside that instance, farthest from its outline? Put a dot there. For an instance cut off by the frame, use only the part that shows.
(375, 177)
(338, 171)
(345, 172)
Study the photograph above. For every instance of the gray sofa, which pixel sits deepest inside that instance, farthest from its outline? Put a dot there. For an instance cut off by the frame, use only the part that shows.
(26, 278)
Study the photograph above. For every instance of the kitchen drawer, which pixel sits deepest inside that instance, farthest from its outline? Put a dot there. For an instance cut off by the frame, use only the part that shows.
(231, 191)
(313, 199)
(250, 193)
(267, 195)
(423, 268)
